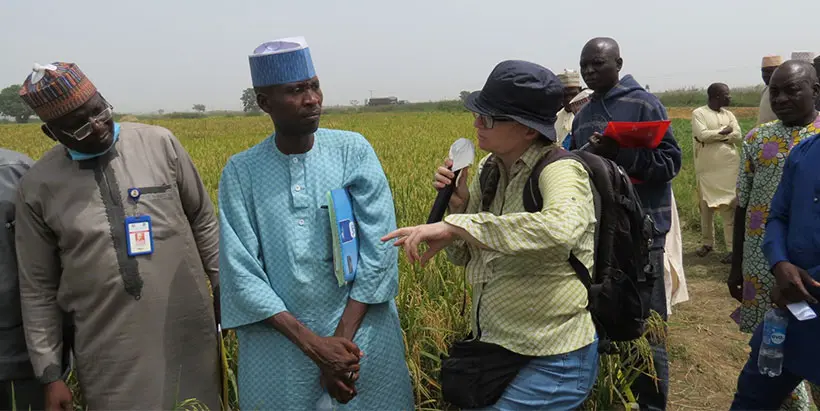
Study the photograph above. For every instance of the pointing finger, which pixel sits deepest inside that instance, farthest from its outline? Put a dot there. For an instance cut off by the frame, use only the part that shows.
(401, 232)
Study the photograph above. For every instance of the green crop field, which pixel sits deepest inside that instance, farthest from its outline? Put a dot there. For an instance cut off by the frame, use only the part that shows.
(409, 145)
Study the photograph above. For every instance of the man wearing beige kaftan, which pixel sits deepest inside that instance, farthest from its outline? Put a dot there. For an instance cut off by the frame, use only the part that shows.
(145, 324)
(767, 67)
(765, 113)
(716, 132)
(571, 80)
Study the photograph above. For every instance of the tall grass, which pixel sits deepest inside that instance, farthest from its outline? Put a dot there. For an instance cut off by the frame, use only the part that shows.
(696, 97)
(410, 146)
(684, 97)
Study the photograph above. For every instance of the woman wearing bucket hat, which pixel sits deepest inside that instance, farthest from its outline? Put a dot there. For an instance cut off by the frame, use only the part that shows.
(534, 338)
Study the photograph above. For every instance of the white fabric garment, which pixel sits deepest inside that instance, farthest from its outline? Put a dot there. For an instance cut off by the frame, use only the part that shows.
(563, 125)
(674, 278)
(765, 113)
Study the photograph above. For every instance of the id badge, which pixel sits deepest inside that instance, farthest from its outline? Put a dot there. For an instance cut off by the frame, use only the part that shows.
(138, 235)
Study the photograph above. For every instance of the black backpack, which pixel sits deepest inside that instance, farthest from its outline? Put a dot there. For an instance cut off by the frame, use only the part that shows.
(621, 287)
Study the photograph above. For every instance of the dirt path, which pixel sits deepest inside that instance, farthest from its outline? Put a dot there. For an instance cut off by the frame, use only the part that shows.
(706, 349)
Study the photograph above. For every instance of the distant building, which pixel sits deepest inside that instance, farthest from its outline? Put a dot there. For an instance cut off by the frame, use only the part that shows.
(382, 101)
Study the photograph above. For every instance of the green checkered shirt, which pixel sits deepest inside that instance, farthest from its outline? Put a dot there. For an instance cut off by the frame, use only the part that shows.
(530, 299)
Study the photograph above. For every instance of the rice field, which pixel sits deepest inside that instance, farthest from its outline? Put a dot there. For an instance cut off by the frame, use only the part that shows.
(410, 146)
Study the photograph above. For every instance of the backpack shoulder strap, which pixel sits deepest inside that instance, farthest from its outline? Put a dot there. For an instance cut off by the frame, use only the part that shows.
(488, 182)
(533, 202)
(532, 194)
(580, 270)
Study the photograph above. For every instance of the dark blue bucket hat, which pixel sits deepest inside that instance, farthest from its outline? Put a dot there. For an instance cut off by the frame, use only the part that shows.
(522, 91)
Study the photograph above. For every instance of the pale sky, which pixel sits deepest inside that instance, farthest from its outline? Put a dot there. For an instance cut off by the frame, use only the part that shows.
(147, 55)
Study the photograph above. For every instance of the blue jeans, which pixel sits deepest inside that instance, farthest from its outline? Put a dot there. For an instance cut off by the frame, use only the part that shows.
(756, 391)
(652, 394)
(555, 382)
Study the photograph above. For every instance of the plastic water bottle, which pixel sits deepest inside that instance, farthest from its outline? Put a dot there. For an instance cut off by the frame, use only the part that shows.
(325, 403)
(770, 359)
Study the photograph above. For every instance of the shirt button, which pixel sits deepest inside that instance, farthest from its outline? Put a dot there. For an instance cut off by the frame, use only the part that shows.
(295, 160)
(815, 199)
(301, 222)
(297, 187)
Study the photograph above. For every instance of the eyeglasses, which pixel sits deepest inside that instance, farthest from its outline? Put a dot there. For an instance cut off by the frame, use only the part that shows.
(489, 121)
(86, 129)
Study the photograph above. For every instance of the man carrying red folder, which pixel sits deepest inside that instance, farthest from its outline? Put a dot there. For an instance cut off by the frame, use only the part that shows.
(651, 164)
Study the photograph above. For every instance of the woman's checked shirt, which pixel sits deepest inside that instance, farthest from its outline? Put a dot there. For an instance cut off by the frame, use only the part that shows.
(526, 296)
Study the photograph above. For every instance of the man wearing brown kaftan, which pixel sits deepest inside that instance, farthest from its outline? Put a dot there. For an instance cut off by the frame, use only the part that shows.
(145, 322)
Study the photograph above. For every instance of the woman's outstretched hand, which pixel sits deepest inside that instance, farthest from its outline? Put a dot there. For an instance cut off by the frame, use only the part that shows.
(436, 236)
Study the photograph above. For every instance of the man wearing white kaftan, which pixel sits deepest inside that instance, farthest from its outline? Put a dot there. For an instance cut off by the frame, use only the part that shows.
(276, 253)
(716, 132)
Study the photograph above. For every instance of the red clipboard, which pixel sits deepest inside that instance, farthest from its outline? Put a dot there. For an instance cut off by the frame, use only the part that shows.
(637, 134)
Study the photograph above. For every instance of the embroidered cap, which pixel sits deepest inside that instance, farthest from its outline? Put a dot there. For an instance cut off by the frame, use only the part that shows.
(570, 78)
(281, 61)
(771, 61)
(57, 89)
(803, 55)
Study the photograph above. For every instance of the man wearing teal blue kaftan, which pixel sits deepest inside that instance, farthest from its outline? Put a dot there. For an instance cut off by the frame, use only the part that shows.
(276, 258)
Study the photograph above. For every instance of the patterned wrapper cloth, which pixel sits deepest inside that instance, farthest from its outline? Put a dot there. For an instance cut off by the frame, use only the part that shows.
(57, 89)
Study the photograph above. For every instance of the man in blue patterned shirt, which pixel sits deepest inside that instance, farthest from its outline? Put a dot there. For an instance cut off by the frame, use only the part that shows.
(300, 333)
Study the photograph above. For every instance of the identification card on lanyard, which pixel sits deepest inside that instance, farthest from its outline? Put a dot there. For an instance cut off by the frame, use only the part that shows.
(138, 235)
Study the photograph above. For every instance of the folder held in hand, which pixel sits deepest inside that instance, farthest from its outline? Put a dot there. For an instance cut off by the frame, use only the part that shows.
(343, 230)
(637, 134)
